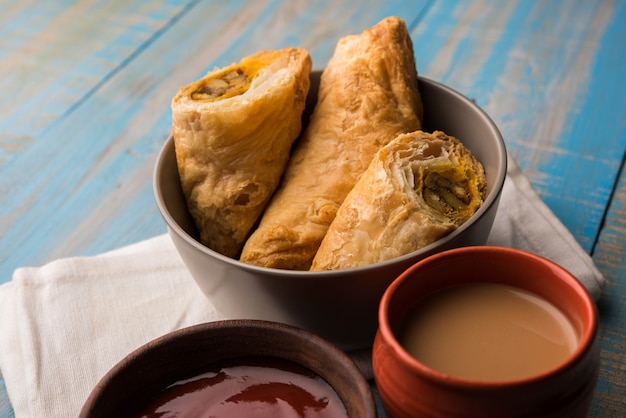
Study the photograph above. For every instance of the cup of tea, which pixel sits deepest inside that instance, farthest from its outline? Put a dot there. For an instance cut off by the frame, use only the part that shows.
(486, 331)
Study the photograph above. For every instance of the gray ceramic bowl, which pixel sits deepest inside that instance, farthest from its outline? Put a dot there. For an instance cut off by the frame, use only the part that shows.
(338, 305)
(139, 378)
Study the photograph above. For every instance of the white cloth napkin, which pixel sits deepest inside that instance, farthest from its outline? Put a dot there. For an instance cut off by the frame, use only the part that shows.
(64, 325)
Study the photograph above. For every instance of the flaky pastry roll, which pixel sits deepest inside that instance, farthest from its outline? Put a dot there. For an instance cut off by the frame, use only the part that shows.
(233, 131)
(368, 95)
(417, 189)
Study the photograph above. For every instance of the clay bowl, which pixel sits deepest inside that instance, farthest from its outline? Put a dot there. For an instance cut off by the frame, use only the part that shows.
(339, 305)
(131, 384)
(409, 388)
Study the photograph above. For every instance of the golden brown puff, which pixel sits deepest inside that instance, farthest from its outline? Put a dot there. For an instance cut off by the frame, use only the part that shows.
(417, 189)
(233, 130)
(368, 95)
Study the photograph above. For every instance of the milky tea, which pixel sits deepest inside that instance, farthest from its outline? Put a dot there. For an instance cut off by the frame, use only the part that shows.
(488, 332)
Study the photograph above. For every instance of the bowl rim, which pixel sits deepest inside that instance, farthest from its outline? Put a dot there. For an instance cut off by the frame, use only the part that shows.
(586, 339)
(492, 198)
(269, 328)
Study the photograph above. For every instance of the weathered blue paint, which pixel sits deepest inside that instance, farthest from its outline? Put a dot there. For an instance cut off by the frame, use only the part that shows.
(85, 90)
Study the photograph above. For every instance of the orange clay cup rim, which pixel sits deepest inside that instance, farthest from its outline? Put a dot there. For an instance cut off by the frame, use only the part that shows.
(588, 312)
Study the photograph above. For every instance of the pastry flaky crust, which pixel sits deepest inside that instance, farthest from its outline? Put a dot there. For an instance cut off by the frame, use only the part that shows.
(368, 95)
(233, 131)
(417, 189)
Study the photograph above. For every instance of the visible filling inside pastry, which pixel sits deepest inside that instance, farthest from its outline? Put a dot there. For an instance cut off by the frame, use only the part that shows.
(222, 85)
(445, 195)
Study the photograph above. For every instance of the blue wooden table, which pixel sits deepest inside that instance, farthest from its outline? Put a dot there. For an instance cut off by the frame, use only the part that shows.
(85, 88)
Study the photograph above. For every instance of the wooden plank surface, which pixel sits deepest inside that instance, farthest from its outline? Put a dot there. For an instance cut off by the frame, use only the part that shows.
(545, 72)
(610, 257)
(55, 59)
(85, 89)
(111, 138)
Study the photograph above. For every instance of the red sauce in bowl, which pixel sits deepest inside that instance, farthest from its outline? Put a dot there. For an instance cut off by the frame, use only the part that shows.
(260, 388)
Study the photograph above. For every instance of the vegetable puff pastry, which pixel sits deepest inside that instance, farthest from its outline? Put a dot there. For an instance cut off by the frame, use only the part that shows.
(368, 95)
(417, 189)
(233, 131)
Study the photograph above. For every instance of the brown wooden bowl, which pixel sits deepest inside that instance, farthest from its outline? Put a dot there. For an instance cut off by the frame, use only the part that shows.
(130, 385)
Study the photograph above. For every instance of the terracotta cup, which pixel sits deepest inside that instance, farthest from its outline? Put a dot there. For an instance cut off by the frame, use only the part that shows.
(408, 388)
